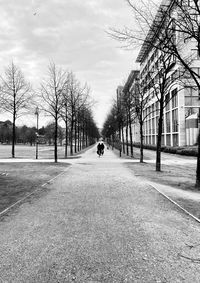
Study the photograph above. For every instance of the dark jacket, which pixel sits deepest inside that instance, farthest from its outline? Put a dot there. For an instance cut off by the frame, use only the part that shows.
(100, 146)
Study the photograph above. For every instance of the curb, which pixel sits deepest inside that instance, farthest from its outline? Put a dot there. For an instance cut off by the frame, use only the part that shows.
(43, 185)
(174, 202)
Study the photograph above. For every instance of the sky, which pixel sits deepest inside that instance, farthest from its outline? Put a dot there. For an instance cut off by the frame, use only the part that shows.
(72, 34)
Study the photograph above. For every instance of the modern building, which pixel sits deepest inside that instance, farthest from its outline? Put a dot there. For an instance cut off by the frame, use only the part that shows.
(180, 123)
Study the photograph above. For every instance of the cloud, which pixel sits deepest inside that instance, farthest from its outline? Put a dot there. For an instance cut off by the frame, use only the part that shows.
(72, 34)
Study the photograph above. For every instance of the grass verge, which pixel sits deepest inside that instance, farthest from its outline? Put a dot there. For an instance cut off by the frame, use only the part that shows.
(179, 177)
(19, 179)
(176, 176)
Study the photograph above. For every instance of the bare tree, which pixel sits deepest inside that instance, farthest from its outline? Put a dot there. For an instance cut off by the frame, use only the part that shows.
(77, 97)
(161, 85)
(129, 106)
(120, 123)
(176, 29)
(186, 24)
(65, 112)
(121, 117)
(111, 127)
(52, 89)
(90, 132)
(16, 95)
(140, 102)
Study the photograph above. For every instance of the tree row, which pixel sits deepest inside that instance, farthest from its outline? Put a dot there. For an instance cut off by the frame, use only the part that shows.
(60, 97)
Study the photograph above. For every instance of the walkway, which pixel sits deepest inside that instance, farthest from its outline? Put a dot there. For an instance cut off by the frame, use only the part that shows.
(98, 223)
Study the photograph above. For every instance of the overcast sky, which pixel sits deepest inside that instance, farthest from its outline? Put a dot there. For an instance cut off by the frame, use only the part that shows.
(72, 34)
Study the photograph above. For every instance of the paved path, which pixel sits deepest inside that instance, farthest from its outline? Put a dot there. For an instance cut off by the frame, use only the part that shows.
(98, 223)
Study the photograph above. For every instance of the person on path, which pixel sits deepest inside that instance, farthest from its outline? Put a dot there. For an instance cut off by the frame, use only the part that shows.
(100, 149)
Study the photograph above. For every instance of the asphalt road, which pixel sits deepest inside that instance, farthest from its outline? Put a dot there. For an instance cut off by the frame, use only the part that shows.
(98, 222)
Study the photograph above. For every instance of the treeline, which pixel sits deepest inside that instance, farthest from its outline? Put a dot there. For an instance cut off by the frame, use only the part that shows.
(29, 135)
(60, 96)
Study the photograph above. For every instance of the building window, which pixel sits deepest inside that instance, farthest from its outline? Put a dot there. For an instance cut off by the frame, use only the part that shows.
(168, 140)
(153, 126)
(162, 140)
(145, 127)
(191, 100)
(191, 97)
(175, 139)
(175, 120)
(168, 122)
(149, 127)
(174, 98)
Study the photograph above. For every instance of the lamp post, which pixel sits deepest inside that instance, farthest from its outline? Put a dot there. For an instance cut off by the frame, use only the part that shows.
(37, 115)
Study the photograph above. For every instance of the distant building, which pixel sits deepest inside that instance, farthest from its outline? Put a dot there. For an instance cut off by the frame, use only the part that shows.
(129, 87)
(119, 92)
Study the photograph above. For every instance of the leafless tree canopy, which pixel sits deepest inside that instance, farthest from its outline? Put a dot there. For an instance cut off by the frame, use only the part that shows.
(52, 89)
(16, 93)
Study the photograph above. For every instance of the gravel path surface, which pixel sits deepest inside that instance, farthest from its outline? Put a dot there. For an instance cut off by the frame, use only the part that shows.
(98, 223)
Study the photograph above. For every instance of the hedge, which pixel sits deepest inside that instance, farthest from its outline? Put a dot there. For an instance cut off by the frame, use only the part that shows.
(188, 151)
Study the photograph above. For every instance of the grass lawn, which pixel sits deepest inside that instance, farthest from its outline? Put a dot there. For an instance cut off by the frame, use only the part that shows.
(178, 177)
(27, 151)
(19, 179)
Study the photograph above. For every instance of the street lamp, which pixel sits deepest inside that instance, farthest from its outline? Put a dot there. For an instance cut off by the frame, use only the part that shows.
(37, 115)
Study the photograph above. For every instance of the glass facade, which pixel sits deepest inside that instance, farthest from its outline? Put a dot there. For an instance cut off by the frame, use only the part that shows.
(170, 125)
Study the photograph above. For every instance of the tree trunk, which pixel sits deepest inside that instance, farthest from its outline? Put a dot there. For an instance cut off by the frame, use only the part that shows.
(75, 136)
(123, 143)
(198, 157)
(71, 137)
(112, 141)
(55, 140)
(120, 142)
(141, 142)
(66, 137)
(159, 138)
(13, 136)
(80, 140)
(78, 135)
(83, 138)
(66, 130)
(130, 133)
(86, 140)
(127, 149)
